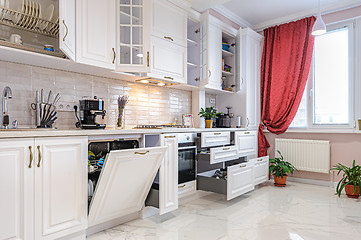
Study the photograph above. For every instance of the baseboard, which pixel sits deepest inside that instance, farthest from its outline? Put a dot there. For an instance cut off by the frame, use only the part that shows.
(312, 181)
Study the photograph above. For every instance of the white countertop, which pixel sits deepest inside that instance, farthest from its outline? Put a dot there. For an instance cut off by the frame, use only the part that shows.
(30, 133)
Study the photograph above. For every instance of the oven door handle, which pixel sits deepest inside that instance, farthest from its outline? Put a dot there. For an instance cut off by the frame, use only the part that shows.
(187, 148)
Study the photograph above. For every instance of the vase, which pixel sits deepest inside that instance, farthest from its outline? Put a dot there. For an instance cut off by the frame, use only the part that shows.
(209, 123)
(120, 121)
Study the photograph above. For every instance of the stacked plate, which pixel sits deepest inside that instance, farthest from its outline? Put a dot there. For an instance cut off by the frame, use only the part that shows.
(30, 15)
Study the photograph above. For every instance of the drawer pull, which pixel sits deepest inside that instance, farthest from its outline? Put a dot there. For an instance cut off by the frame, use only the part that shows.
(242, 166)
(31, 157)
(227, 148)
(39, 156)
(260, 160)
(246, 132)
(169, 136)
(182, 186)
(217, 133)
(139, 153)
(169, 38)
(169, 78)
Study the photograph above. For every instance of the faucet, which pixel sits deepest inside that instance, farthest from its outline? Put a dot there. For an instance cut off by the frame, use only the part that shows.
(7, 94)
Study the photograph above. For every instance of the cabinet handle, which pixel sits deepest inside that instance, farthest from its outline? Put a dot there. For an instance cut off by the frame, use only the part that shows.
(39, 156)
(209, 73)
(31, 157)
(248, 122)
(166, 37)
(242, 166)
(217, 133)
(260, 160)
(139, 153)
(66, 30)
(169, 136)
(226, 148)
(182, 186)
(247, 132)
(147, 59)
(169, 78)
(114, 55)
(242, 81)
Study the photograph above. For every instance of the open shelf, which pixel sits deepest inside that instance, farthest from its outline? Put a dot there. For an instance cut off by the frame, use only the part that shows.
(227, 53)
(227, 73)
(192, 65)
(191, 42)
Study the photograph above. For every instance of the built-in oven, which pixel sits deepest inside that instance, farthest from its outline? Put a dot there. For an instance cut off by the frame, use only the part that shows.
(187, 151)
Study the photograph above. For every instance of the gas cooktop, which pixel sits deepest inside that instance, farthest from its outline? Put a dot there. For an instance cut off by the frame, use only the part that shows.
(160, 126)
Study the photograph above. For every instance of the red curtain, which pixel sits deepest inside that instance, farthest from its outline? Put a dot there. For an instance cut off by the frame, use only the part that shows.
(286, 63)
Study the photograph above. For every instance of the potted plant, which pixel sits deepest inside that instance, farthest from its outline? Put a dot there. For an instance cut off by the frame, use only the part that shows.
(350, 181)
(209, 114)
(279, 169)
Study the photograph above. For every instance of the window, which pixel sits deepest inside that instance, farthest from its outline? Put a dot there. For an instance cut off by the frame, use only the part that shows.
(328, 97)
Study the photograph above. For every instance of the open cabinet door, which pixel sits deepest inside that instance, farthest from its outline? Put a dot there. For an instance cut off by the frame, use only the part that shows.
(239, 78)
(67, 27)
(204, 41)
(124, 183)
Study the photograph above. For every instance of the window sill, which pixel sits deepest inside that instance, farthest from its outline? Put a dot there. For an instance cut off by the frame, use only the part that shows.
(329, 131)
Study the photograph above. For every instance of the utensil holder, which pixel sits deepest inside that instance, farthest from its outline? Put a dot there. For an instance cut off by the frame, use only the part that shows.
(45, 114)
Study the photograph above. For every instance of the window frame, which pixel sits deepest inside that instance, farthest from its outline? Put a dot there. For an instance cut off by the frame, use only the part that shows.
(353, 96)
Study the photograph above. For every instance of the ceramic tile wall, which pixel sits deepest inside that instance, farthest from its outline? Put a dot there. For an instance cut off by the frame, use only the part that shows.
(147, 104)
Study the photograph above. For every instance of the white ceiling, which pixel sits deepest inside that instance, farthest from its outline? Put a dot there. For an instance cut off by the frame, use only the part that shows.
(262, 13)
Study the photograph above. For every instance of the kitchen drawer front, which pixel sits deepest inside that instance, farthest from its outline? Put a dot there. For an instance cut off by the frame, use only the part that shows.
(219, 154)
(246, 143)
(213, 139)
(185, 189)
(239, 181)
(261, 166)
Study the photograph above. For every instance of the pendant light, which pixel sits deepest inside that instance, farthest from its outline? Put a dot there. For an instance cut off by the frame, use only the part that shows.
(319, 27)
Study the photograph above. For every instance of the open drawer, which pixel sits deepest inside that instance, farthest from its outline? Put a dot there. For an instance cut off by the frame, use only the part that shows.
(239, 181)
(261, 166)
(218, 154)
(213, 139)
(124, 183)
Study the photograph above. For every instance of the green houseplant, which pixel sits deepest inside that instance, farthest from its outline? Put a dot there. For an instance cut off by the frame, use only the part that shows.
(350, 181)
(209, 114)
(279, 169)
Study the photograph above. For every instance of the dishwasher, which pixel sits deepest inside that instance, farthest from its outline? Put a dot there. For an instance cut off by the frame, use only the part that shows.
(120, 175)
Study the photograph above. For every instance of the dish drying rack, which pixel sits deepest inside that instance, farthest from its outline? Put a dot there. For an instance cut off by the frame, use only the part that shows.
(8, 15)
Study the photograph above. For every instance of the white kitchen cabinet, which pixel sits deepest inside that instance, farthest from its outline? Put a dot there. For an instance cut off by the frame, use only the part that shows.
(261, 166)
(212, 139)
(60, 186)
(17, 186)
(95, 36)
(251, 71)
(67, 28)
(168, 61)
(246, 143)
(124, 183)
(168, 175)
(133, 36)
(240, 178)
(45, 182)
(169, 22)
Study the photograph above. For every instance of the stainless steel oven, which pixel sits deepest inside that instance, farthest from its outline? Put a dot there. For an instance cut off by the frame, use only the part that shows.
(187, 151)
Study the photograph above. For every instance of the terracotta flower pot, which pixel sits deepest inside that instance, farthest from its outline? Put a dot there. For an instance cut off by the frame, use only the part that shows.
(349, 191)
(279, 181)
(209, 123)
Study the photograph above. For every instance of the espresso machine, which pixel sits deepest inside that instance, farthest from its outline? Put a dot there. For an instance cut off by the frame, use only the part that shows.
(225, 120)
(88, 110)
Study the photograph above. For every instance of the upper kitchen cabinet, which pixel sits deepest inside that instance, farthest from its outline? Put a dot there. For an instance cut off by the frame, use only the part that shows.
(95, 40)
(218, 55)
(246, 102)
(40, 32)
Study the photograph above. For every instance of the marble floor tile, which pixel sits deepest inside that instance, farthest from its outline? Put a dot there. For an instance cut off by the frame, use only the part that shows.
(297, 212)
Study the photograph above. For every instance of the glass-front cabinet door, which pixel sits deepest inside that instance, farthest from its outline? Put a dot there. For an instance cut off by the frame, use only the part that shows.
(133, 35)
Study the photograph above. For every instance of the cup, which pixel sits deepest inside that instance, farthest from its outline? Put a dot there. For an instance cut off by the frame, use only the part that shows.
(16, 38)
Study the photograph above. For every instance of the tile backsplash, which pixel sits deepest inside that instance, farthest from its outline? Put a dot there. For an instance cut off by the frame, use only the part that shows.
(147, 104)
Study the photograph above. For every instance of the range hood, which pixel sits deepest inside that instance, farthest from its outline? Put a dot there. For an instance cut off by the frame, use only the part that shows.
(155, 81)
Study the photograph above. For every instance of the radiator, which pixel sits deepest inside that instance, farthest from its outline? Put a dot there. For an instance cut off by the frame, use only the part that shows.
(305, 155)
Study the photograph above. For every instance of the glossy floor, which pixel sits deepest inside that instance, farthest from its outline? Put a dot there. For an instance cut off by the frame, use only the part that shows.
(297, 212)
